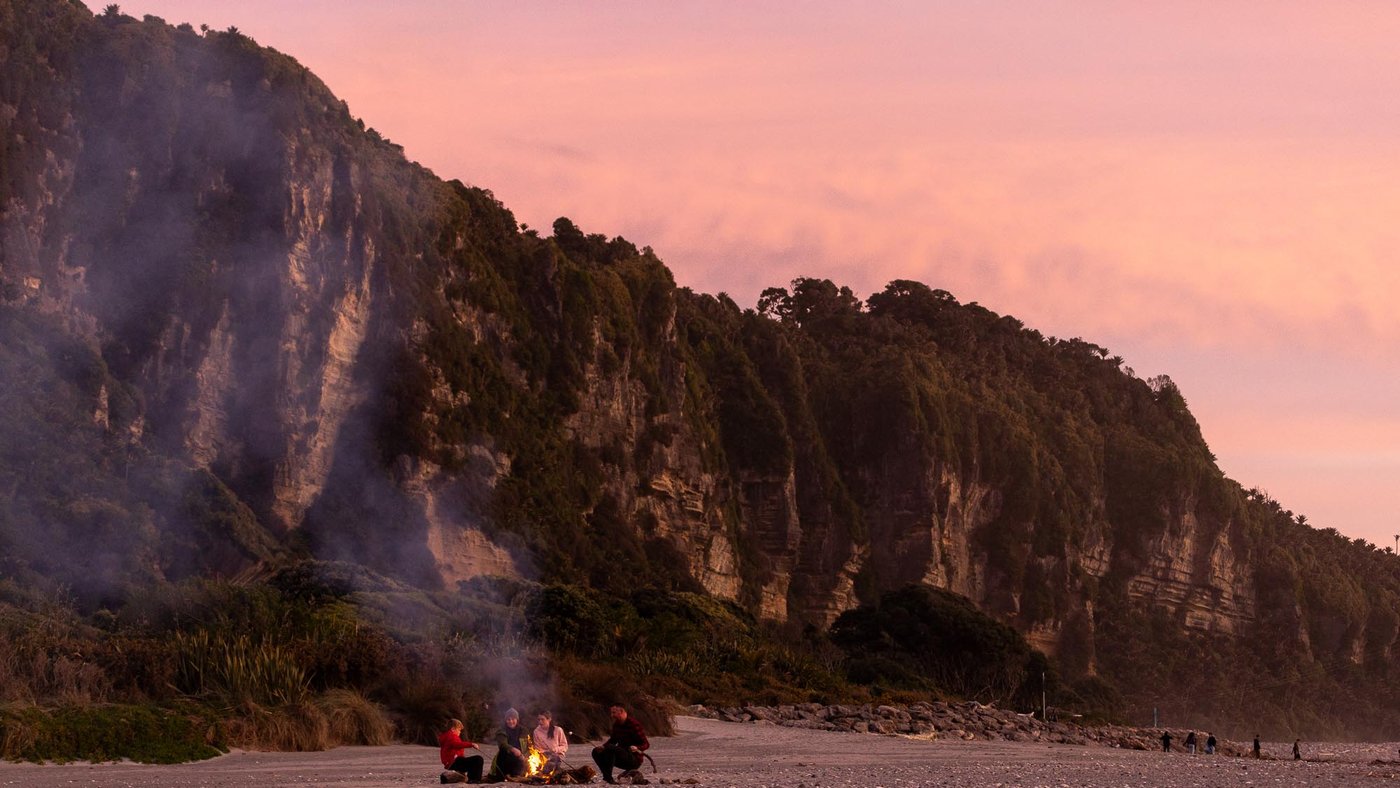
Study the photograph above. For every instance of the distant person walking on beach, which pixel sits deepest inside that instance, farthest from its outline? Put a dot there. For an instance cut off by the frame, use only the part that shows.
(1191, 742)
(1256, 745)
(1210, 744)
(1166, 741)
(1297, 753)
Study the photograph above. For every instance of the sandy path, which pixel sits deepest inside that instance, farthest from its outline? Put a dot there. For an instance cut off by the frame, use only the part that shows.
(749, 756)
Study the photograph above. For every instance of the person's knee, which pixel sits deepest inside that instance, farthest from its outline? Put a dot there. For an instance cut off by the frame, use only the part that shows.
(599, 753)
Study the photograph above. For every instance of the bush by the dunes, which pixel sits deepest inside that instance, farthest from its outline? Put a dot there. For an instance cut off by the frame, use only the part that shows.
(299, 727)
(145, 734)
(355, 719)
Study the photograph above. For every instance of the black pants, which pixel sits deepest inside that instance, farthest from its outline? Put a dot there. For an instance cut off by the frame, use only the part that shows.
(470, 765)
(609, 757)
(509, 764)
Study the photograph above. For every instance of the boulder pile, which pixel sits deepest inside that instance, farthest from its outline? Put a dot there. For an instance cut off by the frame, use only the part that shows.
(968, 720)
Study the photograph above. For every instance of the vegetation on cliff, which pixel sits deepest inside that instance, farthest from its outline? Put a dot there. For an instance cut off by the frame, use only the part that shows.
(159, 194)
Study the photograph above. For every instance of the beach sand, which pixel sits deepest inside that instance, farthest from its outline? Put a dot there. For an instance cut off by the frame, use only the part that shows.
(752, 755)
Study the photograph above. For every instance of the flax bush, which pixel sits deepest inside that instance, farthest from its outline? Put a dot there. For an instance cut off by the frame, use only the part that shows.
(236, 669)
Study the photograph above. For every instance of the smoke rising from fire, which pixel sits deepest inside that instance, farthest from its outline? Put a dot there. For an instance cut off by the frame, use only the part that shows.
(194, 249)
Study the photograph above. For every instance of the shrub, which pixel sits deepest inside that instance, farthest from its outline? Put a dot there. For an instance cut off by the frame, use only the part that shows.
(41, 661)
(423, 702)
(568, 619)
(298, 727)
(237, 670)
(107, 733)
(927, 632)
(587, 689)
(146, 668)
(1096, 698)
(355, 719)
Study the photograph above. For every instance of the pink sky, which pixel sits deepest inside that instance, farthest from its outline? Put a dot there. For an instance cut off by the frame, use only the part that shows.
(1208, 189)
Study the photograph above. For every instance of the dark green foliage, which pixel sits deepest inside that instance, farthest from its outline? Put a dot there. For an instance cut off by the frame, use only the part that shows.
(752, 429)
(144, 734)
(926, 637)
(1094, 697)
(567, 619)
(687, 646)
(586, 690)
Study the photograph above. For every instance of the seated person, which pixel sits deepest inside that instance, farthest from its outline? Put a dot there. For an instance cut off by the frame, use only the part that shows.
(453, 749)
(512, 748)
(551, 742)
(624, 748)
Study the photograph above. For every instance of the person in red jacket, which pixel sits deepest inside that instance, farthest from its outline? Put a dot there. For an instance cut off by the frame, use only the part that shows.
(624, 748)
(453, 749)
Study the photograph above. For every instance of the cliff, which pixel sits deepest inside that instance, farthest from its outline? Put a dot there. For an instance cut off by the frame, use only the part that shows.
(240, 326)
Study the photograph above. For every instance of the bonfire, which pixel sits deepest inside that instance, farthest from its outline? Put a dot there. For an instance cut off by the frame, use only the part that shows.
(536, 775)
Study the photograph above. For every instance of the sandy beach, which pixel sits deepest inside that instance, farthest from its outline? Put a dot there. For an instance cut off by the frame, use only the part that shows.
(760, 755)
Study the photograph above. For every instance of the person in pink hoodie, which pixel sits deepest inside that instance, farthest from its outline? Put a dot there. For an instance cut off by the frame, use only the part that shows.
(550, 740)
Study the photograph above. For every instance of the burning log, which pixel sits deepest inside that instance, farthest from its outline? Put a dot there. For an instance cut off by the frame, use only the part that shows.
(579, 776)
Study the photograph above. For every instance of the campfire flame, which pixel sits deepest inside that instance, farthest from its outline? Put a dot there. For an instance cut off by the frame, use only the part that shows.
(534, 762)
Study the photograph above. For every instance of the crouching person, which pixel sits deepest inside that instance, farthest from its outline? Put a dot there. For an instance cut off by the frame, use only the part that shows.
(453, 749)
(512, 748)
(622, 750)
(550, 740)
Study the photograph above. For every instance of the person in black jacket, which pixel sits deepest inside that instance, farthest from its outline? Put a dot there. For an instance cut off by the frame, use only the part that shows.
(622, 750)
(1166, 741)
(1210, 744)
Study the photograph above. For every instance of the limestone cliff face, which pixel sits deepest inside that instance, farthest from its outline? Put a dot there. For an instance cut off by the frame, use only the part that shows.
(773, 540)
(1193, 568)
(385, 368)
(255, 366)
(207, 216)
(664, 485)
